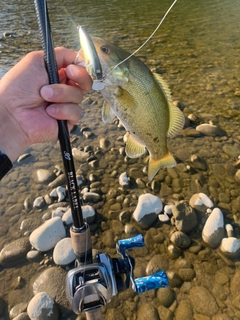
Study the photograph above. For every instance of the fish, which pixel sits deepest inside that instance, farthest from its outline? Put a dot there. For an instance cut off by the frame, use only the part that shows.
(139, 98)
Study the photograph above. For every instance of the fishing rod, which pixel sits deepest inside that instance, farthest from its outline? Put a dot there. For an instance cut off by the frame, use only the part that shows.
(80, 234)
(90, 286)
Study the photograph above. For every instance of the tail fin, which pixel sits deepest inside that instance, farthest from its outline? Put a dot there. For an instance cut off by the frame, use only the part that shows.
(155, 165)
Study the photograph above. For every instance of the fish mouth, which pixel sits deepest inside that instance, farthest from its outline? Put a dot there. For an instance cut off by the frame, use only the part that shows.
(90, 59)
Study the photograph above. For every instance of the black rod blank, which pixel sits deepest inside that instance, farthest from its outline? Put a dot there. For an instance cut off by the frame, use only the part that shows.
(63, 135)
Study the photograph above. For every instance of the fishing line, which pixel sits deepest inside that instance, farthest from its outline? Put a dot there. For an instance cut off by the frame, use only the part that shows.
(145, 42)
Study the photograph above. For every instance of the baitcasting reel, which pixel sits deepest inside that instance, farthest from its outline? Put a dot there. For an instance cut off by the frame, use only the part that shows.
(92, 286)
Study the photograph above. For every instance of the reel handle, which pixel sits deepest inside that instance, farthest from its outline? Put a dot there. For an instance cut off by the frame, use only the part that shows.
(155, 281)
(130, 243)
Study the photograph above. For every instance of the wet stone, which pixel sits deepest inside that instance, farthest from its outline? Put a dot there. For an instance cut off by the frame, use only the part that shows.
(157, 263)
(43, 176)
(203, 301)
(165, 296)
(180, 239)
(42, 307)
(14, 252)
(185, 216)
(184, 311)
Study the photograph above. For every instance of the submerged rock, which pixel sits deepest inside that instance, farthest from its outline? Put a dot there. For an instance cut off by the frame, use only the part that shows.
(48, 234)
(14, 252)
(148, 207)
(42, 307)
(213, 231)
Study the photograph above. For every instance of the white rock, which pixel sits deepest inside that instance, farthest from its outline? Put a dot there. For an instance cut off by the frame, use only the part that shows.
(213, 231)
(57, 213)
(229, 229)
(84, 190)
(42, 307)
(148, 207)
(61, 193)
(123, 180)
(39, 203)
(67, 217)
(163, 217)
(63, 253)
(87, 211)
(201, 202)
(80, 155)
(230, 247)
(53, 193)
(168, 209)
(48, 234)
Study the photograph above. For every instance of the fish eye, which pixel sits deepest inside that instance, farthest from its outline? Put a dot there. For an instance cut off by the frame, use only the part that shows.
(105, 49)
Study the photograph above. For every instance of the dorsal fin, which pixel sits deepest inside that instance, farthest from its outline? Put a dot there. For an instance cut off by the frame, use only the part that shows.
(176, 117)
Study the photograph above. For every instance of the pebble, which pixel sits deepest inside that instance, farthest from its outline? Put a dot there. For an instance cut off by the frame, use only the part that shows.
(148, 207)
(203, 301)
(80, 155)
(201, 202)
(180, 239)
(91, 196)
(22, 316)
(165, 296)
(14, 252)
(42, 307)
(185, 218)
(123, 180)
(209, 130)
(23, 157)
(39, 203)
(230, 247)
(48, 234)
(63, 253)
(213, 231)
(59, 181)
(198, 163)
(229, 230)
(61, 193)
(157, 263)
(43, 176)
(34, 256)
(237, 176)
(163, 218)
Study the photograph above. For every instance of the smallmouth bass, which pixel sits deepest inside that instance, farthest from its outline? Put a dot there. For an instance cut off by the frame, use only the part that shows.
(139, 98)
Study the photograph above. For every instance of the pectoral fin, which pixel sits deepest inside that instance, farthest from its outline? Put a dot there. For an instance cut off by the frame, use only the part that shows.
(133, 148)
(155, 165)
(107, 112)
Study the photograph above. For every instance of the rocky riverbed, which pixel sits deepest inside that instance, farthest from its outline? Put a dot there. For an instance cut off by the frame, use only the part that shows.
(188, 216)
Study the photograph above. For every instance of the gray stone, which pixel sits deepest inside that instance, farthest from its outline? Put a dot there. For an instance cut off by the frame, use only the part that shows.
(42, 307)
(157, 263)
(14, 252)
(91, 196)
(184, 310)
(209, 130)
(52, 280)
(203, 301)
(80, 155)
(185, 216)
(147, 311)
(17, 309)
(43, 176)
(198, 163)
(180, 239)
(165, 296)
(59, 181)
(22, 316)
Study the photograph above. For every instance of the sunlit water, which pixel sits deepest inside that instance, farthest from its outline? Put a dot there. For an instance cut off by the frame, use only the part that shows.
(197, 50)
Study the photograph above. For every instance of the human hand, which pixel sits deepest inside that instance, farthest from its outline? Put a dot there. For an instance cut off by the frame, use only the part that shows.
(29, 106)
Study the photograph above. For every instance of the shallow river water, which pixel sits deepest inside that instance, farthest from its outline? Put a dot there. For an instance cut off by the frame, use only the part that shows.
(197, 51)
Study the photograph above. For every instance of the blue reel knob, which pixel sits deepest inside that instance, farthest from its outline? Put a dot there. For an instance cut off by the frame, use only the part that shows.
(155, 281)
(130, 243)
